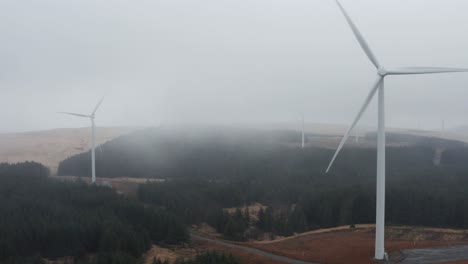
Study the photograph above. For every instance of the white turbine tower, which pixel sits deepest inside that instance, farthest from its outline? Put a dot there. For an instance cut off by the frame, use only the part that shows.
(379, 85)
(93, 137)
(303, 142)
(443, 127)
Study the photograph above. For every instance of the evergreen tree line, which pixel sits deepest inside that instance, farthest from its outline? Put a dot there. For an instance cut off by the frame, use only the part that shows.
(434, 198)
(46, 218)
(249, 155)
(208, 171)
(232, 226)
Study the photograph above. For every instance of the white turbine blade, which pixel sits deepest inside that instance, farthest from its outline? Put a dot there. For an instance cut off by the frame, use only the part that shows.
(423, 70)
(360, 37)
(75, 114)
(359, 115)
(97, 106)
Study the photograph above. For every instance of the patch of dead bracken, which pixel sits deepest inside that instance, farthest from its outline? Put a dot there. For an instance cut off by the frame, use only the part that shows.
(157, 252)
(253, 210)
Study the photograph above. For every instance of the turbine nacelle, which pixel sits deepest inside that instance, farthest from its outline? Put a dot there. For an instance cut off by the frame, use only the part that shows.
(382, 71)
(91, 116)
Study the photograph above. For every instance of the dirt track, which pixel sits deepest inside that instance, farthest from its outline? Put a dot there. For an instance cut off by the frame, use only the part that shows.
(252, 250)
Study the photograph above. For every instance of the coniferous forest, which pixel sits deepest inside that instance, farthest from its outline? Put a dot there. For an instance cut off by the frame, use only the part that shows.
(208, 170)
(46, 218)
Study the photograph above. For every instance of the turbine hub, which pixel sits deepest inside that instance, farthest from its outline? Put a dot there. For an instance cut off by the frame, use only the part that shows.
(382, 71)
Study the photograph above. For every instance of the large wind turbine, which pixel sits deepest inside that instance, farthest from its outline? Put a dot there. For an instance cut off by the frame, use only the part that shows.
(93, 139)
(378, 85)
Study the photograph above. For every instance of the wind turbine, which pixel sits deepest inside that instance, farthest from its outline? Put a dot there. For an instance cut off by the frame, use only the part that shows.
(378, 85)
(93, 139)
(443, 127)
(302, 131)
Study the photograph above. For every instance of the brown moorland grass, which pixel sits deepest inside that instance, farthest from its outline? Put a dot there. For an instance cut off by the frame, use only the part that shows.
(52, 146)
(160, 253)
(357, 245)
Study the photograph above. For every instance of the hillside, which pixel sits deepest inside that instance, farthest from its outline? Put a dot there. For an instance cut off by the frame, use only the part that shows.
(210, 175)
(207, 170)
(51, 146)
(220, 152)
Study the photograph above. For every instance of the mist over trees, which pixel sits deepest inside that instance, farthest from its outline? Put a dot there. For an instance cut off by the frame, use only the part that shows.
(211, 170)
(171, 153)
(205, 173)
(223, 153)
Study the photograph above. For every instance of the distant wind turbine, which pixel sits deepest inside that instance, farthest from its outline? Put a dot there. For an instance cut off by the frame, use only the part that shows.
(302, 131)
(378, 84)
(443, 127)
(93, 139)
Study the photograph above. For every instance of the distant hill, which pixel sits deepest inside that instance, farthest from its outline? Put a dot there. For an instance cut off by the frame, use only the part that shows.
(223, 152)
(51, 146)
(206, 170)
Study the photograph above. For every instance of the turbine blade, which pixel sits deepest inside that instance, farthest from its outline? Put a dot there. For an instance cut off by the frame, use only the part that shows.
(360, 38)
(359, 115)
(97, 106)
(74, 114)
(423, 70)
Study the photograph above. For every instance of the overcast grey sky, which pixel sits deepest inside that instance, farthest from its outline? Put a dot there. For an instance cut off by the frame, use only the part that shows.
(217, 61)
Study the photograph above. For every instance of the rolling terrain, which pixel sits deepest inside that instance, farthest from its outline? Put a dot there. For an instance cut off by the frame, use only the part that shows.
(215, 175)
(51, 146)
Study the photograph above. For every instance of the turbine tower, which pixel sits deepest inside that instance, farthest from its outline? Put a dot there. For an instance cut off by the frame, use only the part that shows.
(378, 85)
(93, 137)
(443, 127)
(302, 131)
